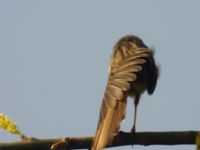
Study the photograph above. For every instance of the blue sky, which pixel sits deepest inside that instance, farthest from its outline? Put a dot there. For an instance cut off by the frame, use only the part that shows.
(54, 58)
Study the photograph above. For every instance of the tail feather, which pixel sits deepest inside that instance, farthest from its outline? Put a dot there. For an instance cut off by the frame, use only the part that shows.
(109, 127)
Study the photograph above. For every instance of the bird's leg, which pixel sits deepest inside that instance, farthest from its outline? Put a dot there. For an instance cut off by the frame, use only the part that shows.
(136, 102)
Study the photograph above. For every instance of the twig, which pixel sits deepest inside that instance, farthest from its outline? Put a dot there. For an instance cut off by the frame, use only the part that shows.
(140, 138)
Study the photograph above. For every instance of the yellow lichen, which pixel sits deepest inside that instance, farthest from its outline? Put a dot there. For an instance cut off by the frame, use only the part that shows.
(9, 125)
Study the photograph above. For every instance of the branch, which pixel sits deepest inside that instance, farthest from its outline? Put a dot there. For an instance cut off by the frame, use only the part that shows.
(140, 138)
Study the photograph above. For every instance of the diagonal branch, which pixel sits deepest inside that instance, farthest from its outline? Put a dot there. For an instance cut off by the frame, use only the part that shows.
(140, 138)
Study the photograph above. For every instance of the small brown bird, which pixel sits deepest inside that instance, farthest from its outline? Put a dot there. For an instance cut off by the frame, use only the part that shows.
(132, 71)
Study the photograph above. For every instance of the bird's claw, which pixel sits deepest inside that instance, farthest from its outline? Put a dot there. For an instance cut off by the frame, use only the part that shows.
(133, 131)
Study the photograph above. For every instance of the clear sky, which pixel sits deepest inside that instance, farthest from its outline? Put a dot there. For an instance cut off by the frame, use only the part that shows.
(54, 58)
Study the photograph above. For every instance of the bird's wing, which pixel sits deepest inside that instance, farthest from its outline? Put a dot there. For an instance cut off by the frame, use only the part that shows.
(112, 110)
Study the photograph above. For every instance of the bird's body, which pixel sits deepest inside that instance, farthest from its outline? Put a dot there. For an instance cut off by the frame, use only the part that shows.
(132, 71)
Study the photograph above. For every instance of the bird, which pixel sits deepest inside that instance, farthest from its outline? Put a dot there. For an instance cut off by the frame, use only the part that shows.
(132, 71)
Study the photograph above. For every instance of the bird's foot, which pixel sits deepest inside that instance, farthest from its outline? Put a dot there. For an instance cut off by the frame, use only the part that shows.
(133, 131)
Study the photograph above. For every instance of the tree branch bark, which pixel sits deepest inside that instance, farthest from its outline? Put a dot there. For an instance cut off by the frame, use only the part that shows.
(140, 138)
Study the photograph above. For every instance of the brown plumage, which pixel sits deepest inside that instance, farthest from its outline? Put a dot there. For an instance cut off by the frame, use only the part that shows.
(132, 71)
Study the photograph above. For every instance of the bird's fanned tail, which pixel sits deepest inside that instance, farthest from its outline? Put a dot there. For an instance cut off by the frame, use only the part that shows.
(113, 107)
